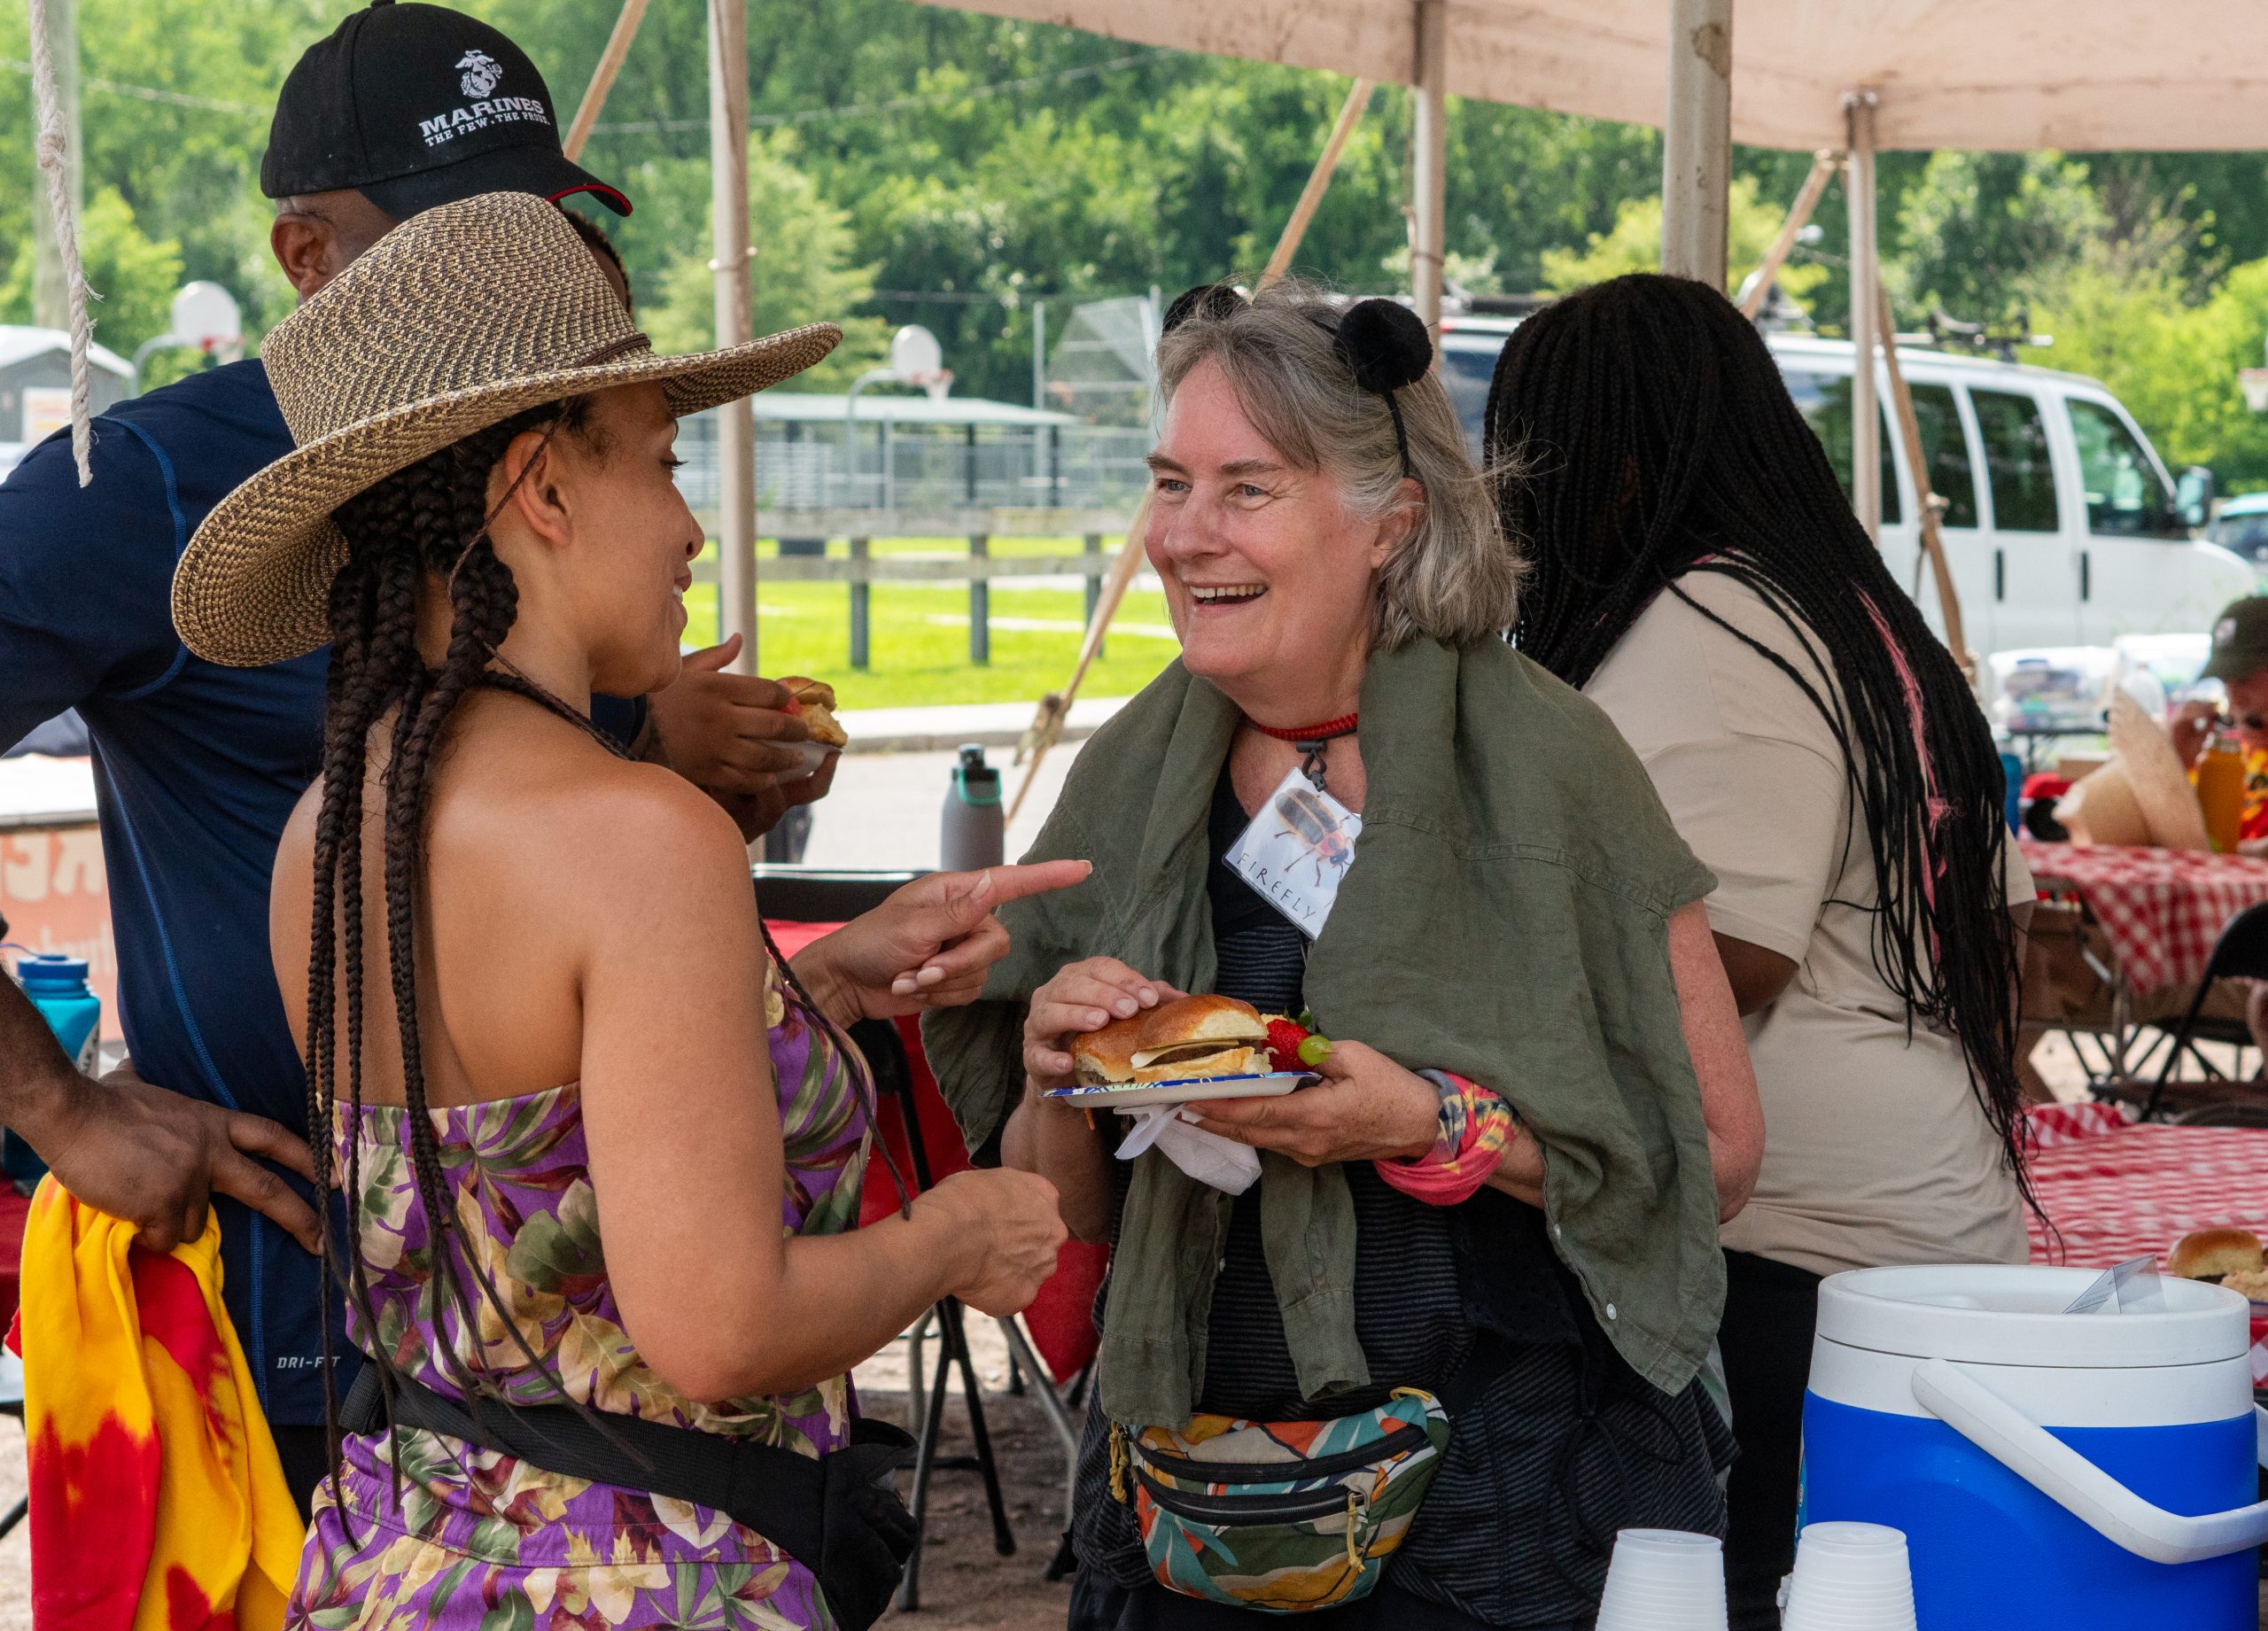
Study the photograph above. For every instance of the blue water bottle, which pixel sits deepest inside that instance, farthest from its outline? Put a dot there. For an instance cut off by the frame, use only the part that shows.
(58, 987)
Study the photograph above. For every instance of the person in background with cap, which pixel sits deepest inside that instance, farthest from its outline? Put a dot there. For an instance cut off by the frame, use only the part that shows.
(2240, 662)
(198, 765)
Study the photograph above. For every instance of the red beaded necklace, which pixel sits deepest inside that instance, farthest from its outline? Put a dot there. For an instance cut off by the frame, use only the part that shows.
(1343, 725)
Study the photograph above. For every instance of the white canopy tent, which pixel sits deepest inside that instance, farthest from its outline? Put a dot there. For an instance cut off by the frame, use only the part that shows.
(1976, 74)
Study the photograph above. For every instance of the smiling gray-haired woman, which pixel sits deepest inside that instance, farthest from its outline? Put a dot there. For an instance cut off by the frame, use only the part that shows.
(1460, 1312)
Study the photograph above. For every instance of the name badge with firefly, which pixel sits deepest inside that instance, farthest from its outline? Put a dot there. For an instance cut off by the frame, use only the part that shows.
(1296, 849)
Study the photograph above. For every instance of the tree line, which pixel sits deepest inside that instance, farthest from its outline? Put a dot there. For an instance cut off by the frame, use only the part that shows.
(911, 163)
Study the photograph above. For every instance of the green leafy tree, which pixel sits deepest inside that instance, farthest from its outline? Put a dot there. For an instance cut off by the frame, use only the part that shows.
(135, 277)
(800, 273)
(2173, 364)
(1984, 234)
(1634, 243)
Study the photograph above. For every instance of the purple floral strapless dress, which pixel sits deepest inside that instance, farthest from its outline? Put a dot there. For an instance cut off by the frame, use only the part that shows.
(482, 1541)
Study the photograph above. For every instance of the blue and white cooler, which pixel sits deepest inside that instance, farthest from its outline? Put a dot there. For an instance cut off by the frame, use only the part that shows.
(2052, 1472)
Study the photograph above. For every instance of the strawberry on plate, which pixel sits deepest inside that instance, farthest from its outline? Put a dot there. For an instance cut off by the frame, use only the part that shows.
(1286, 1038)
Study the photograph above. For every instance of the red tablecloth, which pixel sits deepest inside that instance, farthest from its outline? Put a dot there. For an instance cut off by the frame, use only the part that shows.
(2116, 1190)
(2161, 909)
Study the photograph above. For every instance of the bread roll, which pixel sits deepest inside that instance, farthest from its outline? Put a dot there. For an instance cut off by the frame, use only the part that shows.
(1106, 1057)
(1187, 1039)
(2209, 1253)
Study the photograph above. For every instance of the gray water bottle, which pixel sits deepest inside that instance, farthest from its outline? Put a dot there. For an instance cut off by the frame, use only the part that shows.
(972, 835)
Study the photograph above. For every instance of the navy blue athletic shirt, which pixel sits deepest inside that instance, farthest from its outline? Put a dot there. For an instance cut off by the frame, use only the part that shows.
(196, 768)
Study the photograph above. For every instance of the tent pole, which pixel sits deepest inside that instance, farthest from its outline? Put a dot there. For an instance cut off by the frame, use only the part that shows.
(1350, 114)
(1866, 272)
(1429, 141)
(617, 46)
(737, 421)
(1823, 164)
(1046, 727)
(1909, 435)
(1697, 140)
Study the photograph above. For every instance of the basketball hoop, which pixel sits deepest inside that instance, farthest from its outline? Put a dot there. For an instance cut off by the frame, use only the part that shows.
(936, 382)
(2254, 384)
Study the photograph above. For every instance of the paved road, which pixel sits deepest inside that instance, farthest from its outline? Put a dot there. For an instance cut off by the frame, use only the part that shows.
(885, 808)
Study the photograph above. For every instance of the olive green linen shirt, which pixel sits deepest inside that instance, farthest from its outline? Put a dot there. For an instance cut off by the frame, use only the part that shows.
(1505, 918)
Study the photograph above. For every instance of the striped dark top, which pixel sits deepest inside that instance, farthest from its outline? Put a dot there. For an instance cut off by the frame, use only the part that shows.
(1561, 1448)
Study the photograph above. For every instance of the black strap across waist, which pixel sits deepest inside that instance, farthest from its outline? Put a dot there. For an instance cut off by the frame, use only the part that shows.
(836, 1514)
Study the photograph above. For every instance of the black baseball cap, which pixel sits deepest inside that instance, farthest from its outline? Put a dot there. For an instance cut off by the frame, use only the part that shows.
(417, 105)
(2240, 639)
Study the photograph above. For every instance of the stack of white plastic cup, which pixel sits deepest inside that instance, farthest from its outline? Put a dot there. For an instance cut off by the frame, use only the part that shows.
(1664, 1580)
(1850, 1577)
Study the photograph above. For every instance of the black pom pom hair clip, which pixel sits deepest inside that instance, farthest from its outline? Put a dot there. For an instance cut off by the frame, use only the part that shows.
(1383, 343)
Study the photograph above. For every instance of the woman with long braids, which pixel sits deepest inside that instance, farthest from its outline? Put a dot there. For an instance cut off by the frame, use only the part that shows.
(600, 1153)
(1698, 573)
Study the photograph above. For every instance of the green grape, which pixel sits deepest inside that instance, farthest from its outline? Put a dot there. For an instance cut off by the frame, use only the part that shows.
(1314, 1050)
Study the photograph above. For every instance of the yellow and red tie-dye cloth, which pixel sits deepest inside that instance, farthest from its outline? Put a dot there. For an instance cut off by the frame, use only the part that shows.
(157, 1500)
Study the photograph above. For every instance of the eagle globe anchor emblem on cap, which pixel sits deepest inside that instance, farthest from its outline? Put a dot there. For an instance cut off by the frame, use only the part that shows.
(481, 73)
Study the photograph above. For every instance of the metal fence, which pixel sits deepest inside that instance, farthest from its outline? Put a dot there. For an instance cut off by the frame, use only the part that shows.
(910, 476)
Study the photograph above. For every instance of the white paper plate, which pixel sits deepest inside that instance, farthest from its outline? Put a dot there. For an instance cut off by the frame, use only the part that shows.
(1274, 1085)
(812, 753)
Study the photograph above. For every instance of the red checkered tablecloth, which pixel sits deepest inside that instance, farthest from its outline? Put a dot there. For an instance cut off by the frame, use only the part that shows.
(2116, 1190)
(2161, 909)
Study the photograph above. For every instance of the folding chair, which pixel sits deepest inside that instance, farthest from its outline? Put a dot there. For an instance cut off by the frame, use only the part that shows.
(2242, 952)
(898, 1081)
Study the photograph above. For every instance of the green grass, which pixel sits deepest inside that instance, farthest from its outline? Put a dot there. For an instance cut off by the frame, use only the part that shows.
(921, 660)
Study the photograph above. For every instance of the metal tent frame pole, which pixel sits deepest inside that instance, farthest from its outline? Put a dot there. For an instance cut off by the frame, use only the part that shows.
(595, 95)
(1926, 502)
(1824, 163)
(1428, 158)
(736, 420)
(1697, 140)
(1866, 276)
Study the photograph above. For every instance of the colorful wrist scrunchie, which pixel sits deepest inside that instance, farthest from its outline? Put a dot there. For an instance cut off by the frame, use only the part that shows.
(1476, 1127)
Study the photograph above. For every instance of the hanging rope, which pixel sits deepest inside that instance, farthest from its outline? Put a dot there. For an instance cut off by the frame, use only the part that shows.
(50, 152)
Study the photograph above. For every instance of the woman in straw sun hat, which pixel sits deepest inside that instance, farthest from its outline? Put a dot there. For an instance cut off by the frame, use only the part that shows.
(576, 1100)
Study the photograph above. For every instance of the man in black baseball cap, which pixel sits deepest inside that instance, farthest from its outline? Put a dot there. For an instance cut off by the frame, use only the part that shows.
(403, 107)
(198, 766)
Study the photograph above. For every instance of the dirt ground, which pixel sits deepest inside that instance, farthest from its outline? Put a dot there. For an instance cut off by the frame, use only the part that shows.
(964, 1585)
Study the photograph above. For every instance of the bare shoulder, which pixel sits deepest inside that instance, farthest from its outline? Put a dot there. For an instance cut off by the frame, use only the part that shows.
(553, 815)
(652, 824)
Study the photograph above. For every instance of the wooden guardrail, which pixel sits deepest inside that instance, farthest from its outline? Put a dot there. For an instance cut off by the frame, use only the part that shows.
(861, 569)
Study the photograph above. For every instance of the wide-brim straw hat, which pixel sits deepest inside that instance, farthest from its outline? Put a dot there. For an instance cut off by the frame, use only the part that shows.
(2101, 808)
(456, 319)
(2142, 795)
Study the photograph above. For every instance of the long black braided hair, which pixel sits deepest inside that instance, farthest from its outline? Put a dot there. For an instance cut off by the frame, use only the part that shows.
(1660, 440)
(426, 523)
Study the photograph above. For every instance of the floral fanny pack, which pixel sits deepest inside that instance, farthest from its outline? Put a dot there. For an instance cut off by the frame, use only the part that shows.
(1280, 1517)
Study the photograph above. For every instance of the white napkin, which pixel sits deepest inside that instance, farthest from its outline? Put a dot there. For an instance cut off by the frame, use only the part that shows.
(1228, 1166)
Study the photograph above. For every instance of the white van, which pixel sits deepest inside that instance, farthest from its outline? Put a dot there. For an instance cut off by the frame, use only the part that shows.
(2061, 525)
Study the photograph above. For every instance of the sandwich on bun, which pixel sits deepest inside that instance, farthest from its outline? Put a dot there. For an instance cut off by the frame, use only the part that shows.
(1190, 1039)
(2214, 1254)
(813, 701)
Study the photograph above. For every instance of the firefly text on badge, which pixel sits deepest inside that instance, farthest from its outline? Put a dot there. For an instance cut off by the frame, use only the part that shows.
(1296, 849)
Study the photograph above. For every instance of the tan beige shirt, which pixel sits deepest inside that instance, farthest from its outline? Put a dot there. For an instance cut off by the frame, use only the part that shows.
(1875, 1149)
